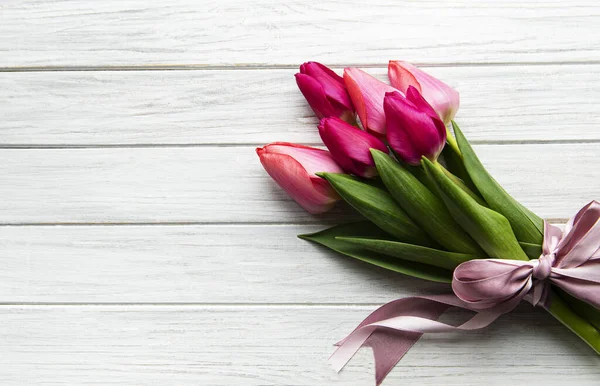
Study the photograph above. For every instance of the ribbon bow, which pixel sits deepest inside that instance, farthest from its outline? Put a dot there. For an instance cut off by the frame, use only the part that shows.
(570, 260)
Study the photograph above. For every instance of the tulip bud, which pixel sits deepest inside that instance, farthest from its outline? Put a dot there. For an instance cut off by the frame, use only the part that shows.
(325, 91)
(443, 98)
(367, 94)
(350, 146)
(413, 127)
(293, 167)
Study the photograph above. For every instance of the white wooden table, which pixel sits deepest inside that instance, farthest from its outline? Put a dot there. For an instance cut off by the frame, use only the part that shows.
(141, 243)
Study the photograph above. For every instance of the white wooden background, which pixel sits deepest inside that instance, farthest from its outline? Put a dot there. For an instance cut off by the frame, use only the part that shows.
(141, 243)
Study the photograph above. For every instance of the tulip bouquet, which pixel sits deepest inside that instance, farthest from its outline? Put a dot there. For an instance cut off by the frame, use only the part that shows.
(431, 210)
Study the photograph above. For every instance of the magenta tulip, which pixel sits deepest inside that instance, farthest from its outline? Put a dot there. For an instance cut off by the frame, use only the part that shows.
(350, 146)
(443, 98)
(367, 94)
(414, 129)
(325, 91)
(293, 167)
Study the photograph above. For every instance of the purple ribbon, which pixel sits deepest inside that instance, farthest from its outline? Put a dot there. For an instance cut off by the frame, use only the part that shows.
(570, 260)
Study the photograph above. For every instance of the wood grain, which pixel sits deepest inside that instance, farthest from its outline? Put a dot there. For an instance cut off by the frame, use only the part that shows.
(228, 184)
(142, 243)
(258, 264)
(515, 103)
(269, 345)
(269, 32)
(187, 264)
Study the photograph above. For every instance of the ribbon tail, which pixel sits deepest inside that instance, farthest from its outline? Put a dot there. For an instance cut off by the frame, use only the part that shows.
(395, 327)
(388, 350)
(389, 346)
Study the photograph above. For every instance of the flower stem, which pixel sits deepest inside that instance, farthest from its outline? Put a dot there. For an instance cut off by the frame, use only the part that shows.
(583, 309)
(581, 327)
(451, 141)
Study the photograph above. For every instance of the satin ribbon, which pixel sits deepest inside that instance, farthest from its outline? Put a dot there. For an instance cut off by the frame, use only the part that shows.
(570, 260)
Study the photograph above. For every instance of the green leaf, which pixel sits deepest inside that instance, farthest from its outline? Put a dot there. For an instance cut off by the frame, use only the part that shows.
(532, 250)
(454, 163)
(365, 229)
(424, 207)
(416, 253)
(527, 226)
(583, 328)
(378, 206)
(488, 228)
(416, 171)
(461, 184)
(583, 309)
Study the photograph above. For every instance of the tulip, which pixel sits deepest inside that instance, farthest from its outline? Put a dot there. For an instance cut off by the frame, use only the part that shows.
(413, 127)
(443, 98)
(293, 167)
(367, 94)
(325, 91)
(350, 146)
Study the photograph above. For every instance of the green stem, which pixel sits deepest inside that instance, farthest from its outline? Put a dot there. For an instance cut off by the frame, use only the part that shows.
(581, 327)
(451, 141)
(587, 311)
(454, 162)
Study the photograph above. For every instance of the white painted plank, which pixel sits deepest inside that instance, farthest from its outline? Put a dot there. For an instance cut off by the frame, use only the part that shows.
(513, 103)
(228, 184)
(181, 345)
(133, 32)
(187, 264)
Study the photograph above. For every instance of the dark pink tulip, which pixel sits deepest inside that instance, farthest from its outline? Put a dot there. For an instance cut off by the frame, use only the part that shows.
(443, 98)
(325, 91)
(414, 129)
(350, 146)
(293, 167)
(367, 95)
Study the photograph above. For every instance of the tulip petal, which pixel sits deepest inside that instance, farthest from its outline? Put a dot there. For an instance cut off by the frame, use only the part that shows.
(401, 142)
(367, 94)
(321, 72)
(314, 196)
(354, 142)
(400, 77)
(315, 95)
(312, 160)
(418, 100)
(350, 146)
(332, 83)
(411, 132)
(444, 99)
(325, 189)
(413, 95)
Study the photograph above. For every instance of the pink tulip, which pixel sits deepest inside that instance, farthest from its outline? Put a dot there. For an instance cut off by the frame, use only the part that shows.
(293, 167)
(349, 146)
(367, 94)
(325, 91)
(443, 98)
(414, 129)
